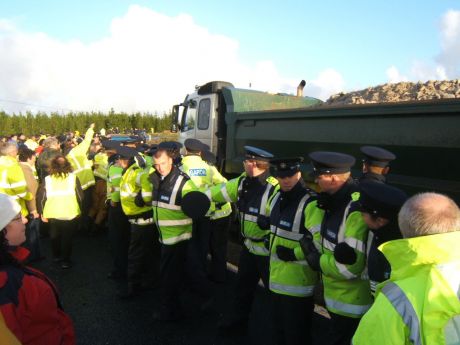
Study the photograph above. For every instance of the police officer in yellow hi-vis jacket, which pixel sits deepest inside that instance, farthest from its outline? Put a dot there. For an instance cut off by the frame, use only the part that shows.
(420, 303)
(340, 234)
(291, 279)
(171, 188)
(251, 192)
(135, 197)
(204, 177)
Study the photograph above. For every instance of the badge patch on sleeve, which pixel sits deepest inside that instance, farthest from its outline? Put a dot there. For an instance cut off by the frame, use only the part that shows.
(196, 172)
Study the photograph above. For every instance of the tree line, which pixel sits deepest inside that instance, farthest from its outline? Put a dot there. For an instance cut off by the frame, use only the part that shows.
(57, 123)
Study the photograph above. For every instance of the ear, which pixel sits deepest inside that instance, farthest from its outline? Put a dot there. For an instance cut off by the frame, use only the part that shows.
(365, 168)
(385, 170)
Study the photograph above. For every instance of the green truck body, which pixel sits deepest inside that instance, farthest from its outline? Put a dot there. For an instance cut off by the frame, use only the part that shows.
(425, 135)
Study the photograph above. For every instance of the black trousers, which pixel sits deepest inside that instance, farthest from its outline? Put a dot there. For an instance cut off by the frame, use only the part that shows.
(218, 248)
(292, 317)
(172, 271)
(342, 329)
(119, 237)
(197, 251)
(251, 269)
(143, 255)
(61, 235)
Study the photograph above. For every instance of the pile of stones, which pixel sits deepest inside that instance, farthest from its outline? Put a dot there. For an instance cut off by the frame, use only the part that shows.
(399, 92)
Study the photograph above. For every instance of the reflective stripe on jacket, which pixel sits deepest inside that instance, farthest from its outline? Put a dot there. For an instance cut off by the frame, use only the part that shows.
(346, 291)
(134, 181)
(61, 197)
(293, 278)
(420, 304)
(173, 224)
(13, 182)
(251, 198)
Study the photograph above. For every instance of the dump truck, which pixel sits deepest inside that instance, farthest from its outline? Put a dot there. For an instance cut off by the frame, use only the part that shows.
(424, 135)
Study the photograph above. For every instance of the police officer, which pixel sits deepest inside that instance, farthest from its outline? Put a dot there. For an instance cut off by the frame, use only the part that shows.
(170, 188)
(376, 163)
(380, 205)
(119, 227)
(251, 192)
(335, 219)
(136, 196)
(203, 177)
(291, 280)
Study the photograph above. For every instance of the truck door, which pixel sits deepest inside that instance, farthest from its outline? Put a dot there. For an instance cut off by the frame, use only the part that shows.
(206, 120)
(188, 121)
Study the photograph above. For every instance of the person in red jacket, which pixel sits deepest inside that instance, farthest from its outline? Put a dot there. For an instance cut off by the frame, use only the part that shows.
(29, 302)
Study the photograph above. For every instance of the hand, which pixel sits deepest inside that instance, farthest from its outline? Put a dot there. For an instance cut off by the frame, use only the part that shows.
(34, 214)
(344, 254)
(267, 242)
(138, 200)
(44, 220)
(285, 253)
(312, 255)
(113, 203)
(263, 222)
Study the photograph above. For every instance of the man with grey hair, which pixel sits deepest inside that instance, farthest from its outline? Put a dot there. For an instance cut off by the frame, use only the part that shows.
(420, 303)
(12, 180)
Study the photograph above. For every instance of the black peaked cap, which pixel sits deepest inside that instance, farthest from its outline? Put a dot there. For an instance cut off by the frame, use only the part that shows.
(377, 156)
(126, 152)
(287, 166)
(252, 152)
(380, 199)
(193, 144)
(326, 162)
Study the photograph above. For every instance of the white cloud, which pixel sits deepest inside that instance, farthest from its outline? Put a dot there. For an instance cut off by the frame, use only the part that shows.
(394, 76)
(149, 62)
(446, 65)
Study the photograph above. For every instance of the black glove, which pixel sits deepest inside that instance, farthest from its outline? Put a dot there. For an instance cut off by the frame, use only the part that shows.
(267, 242)
(312, 255)
(138, 200)
(263, 222)
(344, 254)
(285, 254)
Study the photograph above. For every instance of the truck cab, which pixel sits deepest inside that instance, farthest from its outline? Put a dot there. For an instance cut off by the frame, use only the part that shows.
(202, 116)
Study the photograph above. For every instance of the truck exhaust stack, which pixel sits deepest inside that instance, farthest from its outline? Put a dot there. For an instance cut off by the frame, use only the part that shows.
(300, 88)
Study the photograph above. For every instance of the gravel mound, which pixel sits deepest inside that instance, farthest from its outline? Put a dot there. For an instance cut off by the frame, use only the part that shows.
(399, 92)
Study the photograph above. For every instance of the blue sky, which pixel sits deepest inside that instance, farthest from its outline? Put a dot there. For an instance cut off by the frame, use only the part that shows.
(334, 45)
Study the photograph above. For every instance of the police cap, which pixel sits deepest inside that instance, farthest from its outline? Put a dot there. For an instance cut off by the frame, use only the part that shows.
(152, 150)
(325, 162)
(110, 144)
(377, 156)
(252, 152)
(209, 157)
(380, 199)
(195, 204)
(286, 167)
(170, 146)
(126, 152)
(142, 147)
(193, 145)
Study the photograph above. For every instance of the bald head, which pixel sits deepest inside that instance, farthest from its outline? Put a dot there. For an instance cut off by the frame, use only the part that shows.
(428, 214)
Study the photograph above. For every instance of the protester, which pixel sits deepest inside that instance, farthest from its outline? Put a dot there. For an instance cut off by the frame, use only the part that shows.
(29, 302)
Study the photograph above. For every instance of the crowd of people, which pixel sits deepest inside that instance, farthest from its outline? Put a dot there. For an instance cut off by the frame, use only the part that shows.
(384, 265)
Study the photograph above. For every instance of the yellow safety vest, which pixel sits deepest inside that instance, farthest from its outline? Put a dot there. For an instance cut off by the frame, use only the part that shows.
(61, 198)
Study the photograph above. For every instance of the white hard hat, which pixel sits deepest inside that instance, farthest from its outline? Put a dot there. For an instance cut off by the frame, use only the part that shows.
(9, 208)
